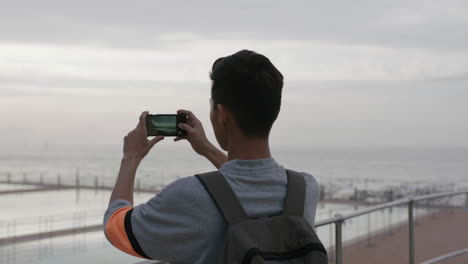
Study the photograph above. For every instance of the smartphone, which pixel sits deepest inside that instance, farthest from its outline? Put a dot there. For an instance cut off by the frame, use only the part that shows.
(165, 125)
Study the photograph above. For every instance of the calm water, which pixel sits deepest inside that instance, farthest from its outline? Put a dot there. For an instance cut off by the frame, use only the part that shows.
(94, 248)
(339, 168)
(346, 167)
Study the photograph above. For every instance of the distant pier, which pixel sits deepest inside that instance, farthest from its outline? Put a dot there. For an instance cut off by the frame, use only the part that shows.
(91, 183)
(49, 234)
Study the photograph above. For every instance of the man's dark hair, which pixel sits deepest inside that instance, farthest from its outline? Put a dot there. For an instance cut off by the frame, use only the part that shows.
(248, 85)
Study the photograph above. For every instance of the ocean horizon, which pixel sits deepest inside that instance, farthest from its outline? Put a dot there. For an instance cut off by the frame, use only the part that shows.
(376, 167)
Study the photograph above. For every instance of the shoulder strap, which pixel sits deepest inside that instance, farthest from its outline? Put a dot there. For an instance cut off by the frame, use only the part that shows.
(295, 197)
(230, 206)
(223, 196)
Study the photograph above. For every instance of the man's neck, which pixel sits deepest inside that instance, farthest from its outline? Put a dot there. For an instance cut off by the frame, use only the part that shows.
(249, 149)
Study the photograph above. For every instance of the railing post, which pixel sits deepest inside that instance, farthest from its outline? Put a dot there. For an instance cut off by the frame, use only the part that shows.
(390, 210)
(331, 257)
(9, 177)
(466, 200)
(338, 239)
(369, 244)
(411, 230)
(77, 178)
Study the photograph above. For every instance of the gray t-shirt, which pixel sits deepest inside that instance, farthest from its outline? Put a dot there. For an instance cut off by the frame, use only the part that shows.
(182, 224)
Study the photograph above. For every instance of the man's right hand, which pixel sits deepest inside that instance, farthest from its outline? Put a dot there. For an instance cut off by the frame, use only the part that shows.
(197, 138)
(195, 133)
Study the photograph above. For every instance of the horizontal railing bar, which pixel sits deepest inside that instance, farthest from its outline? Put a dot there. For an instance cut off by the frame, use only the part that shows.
(437, 195)
(376, 208)
(326, 222)
(445, 257)
(371, 209)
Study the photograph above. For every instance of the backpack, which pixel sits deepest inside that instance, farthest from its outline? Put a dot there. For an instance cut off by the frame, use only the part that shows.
(284, 238)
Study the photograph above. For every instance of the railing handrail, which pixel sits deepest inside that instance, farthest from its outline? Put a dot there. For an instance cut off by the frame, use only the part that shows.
(338, 220)
(438, 195)
(371, 209)
(446, 256)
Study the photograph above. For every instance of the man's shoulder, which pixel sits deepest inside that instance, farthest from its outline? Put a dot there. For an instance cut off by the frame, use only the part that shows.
(186, 187)
(312, 185)
(310, 180)
(190, 187)
(180, 182)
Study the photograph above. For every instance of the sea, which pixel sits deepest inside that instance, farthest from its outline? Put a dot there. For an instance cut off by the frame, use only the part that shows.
(341, 171)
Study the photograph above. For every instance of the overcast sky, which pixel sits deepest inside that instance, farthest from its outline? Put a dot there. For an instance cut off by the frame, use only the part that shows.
(357, 73)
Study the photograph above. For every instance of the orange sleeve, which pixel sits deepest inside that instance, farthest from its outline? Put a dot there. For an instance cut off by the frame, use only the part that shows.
(115, 230)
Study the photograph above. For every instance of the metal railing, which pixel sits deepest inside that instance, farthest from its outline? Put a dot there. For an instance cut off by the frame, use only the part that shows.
(339, 219)
(447, 256)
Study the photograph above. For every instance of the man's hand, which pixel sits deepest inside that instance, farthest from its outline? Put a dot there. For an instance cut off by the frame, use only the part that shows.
(195, 133)
(197, 138)
(136, 143)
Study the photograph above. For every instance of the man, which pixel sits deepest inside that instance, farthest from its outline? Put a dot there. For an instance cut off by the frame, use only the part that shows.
(182, 224)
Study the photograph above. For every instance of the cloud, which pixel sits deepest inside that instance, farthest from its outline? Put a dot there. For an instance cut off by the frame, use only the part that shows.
(361, 72)
(74, 66)
(424, 24)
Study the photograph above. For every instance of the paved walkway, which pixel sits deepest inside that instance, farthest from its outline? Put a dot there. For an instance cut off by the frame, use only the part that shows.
(434, 236)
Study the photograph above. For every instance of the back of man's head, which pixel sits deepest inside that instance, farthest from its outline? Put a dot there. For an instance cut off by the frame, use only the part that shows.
(249, 86)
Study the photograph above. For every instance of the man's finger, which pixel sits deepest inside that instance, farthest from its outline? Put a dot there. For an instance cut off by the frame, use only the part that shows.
(142, 122)
(186, 127)
(179, 138)
(143, 115)
(191, 116)
(156, 140)
(183, 111)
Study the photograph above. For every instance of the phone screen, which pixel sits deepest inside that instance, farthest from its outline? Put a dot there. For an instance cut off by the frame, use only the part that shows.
(165, 125)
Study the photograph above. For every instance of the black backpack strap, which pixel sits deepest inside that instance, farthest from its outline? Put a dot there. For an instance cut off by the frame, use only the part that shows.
(295, 197)
(223, 196)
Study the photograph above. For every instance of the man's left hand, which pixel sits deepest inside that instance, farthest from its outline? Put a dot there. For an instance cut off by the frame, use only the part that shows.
(136, 143)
